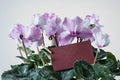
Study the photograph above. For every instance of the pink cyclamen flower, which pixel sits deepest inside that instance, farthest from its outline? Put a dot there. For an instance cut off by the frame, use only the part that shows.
(82, 32)
(41, 20)
(101, 40)
(68, 33)
(35, 35)
(16, 31)
(53, 27)
(92, 19)
(18, 34)
(92, 22)
(73, 28)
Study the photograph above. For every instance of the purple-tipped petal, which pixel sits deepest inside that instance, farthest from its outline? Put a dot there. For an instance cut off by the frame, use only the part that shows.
(16, 31)
(92, 19)
(53, 27)
(86, 34)
(68, 24)
(65, 41)
(35, 35)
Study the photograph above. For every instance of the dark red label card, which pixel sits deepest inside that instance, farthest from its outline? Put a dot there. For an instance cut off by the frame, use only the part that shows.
(64, 57)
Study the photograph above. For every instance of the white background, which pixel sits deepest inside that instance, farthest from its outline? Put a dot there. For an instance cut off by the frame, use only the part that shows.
(21, 11)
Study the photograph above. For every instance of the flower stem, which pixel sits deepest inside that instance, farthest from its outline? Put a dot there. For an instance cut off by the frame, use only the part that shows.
(55, 37)
(77, 39)
(19, 51)
(43, 39)
(47, 50)
(81, 40)
(25, 49)
(96, 56)
(41, 57)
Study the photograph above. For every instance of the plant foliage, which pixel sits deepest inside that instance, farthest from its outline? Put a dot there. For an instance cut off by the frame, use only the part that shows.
(105, 68)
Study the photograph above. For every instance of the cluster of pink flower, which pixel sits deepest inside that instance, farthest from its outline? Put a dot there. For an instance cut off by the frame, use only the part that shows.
(62, 32)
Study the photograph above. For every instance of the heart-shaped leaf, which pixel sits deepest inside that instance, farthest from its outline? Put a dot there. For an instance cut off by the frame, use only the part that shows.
(84, 70)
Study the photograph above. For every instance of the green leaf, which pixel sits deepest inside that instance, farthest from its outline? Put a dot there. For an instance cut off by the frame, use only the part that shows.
(116, 69)
(29, 51)
(22, 58)
(111, 64)
(48, 73)
(28, 72)
(101, 54)
(17, 72)
(111, 56)
(84, 70)
(103, 72)
(22, 69)
(116, 72)
(35, 74)
(107, 62)
(51, 47)
(21, 48)
(67, 74)
(44, 51)
(35, 59)
(8, 75)
(118, 64)
(44, 55)
(110, 61)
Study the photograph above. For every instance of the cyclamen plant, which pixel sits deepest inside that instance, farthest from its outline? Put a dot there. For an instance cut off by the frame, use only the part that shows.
(65, 31)
(61, 32)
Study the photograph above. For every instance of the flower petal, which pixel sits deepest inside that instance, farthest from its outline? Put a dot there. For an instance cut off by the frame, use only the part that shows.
(68, 24)
(16, 31)
(101, 40)
(35, 35)
(65, 38)
(53, 26)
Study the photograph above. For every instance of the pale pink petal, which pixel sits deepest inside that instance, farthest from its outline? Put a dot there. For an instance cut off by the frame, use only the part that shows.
(68, 24)
(39, 19)
(65, 41)
(16, 31)
(35, 35)
(53, 27)
(101, 40)
(85, 34)
(77, 22)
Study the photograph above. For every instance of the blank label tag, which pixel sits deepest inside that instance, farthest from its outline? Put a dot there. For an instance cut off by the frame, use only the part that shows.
(64, 57)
